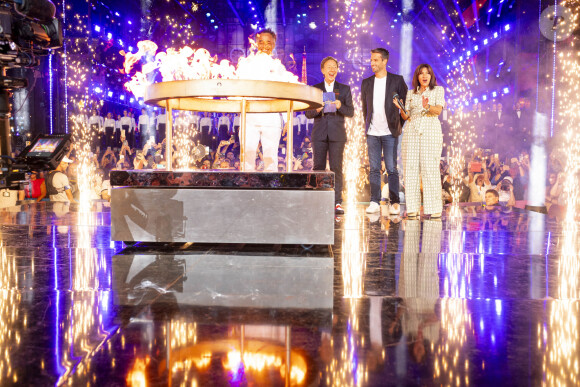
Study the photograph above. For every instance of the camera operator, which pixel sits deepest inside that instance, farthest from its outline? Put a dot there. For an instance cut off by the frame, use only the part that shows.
(57, 185)
(506, 192)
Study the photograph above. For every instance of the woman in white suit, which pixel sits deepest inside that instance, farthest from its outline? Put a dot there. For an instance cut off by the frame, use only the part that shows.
(423, 143)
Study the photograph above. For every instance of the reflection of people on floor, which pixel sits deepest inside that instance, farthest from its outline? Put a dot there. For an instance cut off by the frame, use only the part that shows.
(385, 310)
(419, 286)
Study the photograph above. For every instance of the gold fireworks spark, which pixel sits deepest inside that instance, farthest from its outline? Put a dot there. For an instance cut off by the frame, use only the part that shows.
(560, 338)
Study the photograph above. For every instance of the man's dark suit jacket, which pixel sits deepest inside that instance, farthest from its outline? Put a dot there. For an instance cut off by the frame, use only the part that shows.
(395, 84)
(331, 126)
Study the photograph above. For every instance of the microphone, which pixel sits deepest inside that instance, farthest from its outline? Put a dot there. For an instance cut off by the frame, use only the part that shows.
(396, 96)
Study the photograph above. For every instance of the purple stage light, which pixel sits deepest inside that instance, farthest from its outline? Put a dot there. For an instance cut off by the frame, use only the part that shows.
(485, 41)
(484, 97)
(494, 94)
(507, 27)
(110, 94)
(122, 98)
(506, 90)
(97, 28)
(109, 36)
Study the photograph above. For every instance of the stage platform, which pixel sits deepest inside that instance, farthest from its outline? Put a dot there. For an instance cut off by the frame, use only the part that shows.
(488, 298)
(223, 206)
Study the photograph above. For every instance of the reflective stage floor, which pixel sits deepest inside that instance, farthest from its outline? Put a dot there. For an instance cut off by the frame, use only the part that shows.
(487, 297)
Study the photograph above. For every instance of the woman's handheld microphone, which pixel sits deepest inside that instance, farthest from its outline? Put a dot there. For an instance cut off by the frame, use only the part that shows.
(401, 104)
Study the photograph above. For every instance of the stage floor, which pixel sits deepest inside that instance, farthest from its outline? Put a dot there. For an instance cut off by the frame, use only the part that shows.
(487, 298)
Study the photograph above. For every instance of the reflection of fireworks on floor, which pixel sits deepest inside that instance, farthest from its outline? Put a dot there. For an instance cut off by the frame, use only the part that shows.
(456, 322)
(560, 337)
(10, 318)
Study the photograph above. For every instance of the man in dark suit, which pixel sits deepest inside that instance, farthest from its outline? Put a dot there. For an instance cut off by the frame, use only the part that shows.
(383, 126)
(329, 132)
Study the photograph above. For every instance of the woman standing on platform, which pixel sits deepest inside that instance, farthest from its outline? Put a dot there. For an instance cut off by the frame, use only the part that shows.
(423, 143)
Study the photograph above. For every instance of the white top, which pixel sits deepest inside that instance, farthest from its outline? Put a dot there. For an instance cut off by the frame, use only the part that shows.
(422, 123)
(271, 120)
(205, 121)
(96, 120)
(126, 121)
(61, 184)
(152, 120)
(143, 120)
(302, 119)
(194, 119)
(379, 125)
(161, 119)
(237, 120)
(224, 120)
(109, 123)
(329, 88)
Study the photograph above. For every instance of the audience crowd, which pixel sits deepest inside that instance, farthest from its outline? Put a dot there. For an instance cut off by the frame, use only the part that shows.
(498, 170)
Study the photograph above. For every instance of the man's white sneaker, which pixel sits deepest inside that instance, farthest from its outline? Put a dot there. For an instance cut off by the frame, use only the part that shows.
(395, 209)
(373, 208)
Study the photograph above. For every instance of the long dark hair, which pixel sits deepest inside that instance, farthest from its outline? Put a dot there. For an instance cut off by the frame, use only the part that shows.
(416, 83)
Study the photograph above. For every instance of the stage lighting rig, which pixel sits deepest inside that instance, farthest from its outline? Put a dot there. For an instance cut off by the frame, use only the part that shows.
(28, 29)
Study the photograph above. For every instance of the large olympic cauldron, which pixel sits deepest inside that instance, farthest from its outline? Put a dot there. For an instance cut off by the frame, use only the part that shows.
(233, 96)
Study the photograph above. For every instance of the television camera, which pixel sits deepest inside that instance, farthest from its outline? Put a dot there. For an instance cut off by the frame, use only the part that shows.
(44, 152)
(28, 29)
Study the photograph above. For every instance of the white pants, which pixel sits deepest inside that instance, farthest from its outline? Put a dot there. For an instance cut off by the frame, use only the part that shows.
(270, 136)
(421, 156)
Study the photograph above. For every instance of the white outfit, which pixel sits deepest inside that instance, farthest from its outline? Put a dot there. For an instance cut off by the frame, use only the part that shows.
(143, 121)
(61, 184)
(205, 121)
(194, 120)
(419, 278)
(266, 127)
(126, 121)
(97, 120)
(224, 120)
(422, 146)
(109, 123)
(161, 119)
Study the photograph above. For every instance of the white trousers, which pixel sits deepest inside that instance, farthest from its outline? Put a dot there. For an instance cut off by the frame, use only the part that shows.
(421, 157)
(270, 137)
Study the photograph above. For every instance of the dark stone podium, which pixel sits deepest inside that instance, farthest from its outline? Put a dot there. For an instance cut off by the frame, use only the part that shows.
(217, 206)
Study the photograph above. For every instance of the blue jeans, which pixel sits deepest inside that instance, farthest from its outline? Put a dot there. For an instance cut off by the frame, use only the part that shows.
(383, 146)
